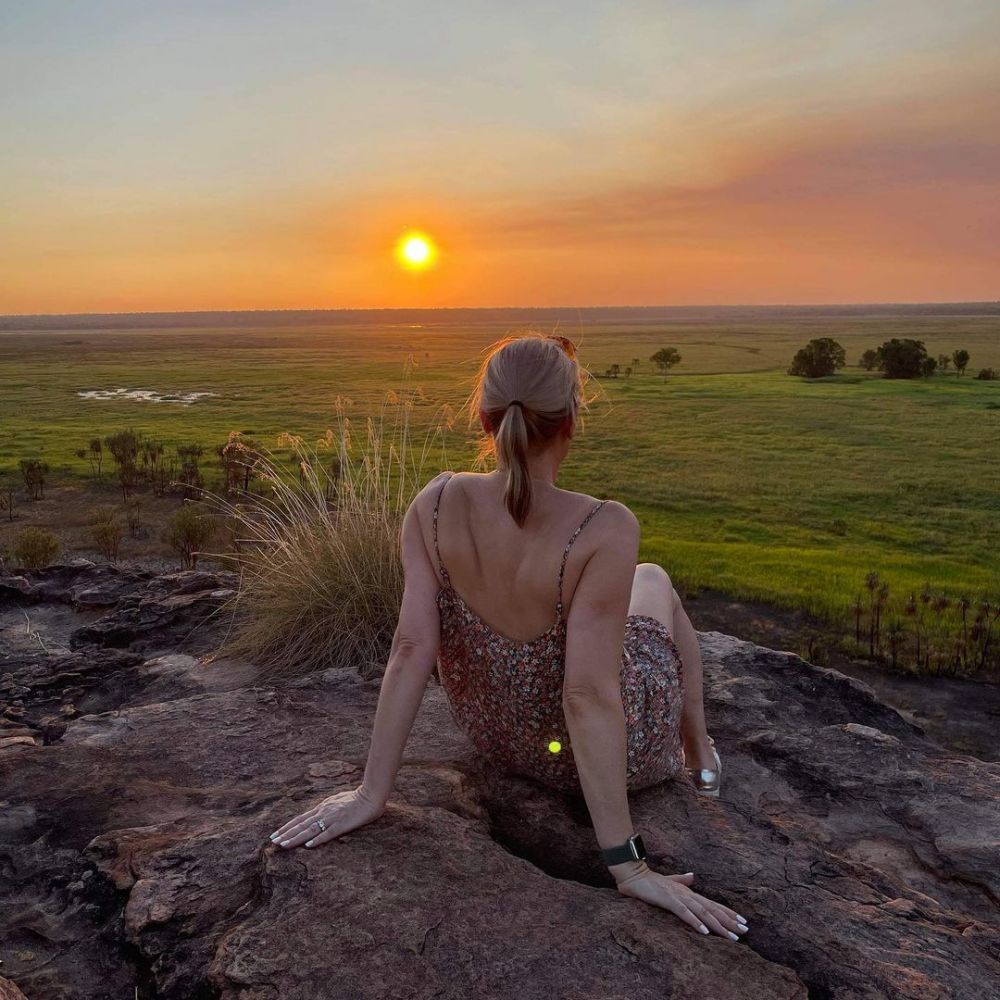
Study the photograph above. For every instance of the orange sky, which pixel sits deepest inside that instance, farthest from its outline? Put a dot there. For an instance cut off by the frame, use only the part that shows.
(241, 156)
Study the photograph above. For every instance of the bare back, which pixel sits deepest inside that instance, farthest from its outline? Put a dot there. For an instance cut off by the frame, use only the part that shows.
(509, 576)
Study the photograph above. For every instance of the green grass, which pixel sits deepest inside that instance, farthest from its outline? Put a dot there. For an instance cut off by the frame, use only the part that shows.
(745, 479)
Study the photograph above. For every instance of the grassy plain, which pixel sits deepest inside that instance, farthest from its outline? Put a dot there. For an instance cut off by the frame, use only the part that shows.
(746, 480)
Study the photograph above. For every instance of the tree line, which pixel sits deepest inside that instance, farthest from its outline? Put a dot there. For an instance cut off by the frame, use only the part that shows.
(927, 632)
(664, 359)
(895, 358)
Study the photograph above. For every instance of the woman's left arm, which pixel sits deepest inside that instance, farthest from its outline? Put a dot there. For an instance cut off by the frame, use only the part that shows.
(411, 662)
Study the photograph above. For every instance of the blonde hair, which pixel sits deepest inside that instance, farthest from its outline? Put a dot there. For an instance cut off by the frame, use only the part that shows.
(527, 385)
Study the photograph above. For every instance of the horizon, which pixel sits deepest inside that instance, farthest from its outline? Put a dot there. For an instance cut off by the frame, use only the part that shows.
(727, 306)
(244, 158)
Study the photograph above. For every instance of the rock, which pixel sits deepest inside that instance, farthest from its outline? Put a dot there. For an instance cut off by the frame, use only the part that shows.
(8, 991)
(135, 847)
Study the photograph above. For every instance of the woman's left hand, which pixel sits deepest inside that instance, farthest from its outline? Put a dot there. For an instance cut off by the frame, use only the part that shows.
(335, 815)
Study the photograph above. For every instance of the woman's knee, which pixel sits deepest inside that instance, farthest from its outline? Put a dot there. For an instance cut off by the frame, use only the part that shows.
(654, 574)
(652, 593)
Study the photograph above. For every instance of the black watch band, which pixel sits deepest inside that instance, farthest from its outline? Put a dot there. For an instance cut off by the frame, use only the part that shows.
(632, 850)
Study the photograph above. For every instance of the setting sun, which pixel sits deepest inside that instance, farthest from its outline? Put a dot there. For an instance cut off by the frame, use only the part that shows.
(416, 251)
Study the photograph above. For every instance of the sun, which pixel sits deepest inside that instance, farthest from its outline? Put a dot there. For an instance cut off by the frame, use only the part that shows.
(416, 251)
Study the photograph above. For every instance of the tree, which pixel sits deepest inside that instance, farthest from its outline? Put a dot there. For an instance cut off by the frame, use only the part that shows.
(665, 359)
(820, 357)
(902, 358)
(124, 447)
(943, 362)
(615, 371)
(869, 360)
(961, 359)
(190, 472)
(988, 374)
(635, 364)
(927, 367)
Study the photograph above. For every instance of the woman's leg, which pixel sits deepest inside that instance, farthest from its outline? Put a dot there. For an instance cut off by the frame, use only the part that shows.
(653, 594)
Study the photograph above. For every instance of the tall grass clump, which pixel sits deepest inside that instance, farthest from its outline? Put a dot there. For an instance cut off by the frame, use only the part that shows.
(316, 540)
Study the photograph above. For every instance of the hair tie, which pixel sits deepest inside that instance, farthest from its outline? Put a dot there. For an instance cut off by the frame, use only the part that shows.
(516, 402)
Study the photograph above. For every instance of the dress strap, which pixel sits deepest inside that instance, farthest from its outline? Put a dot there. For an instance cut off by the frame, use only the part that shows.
(569, 545)
(437, 503)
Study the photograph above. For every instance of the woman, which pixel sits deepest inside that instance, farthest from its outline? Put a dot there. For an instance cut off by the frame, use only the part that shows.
(556, 651)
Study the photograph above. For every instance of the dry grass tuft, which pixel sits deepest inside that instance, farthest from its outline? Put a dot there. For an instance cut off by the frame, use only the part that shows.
(318, 551)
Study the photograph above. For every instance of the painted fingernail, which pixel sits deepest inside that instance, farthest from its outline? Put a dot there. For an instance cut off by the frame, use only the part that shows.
(704, 929)
(309, 843)
(689, 873)
(274, 836)
(743, 927)
(284, 843)
(735, 937)
(742, 920)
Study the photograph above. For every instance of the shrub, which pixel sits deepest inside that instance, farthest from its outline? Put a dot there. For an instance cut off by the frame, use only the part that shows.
(988, 374)
(106, 532)
(34, 548)
(320, 575)
(820, 357)
(34, 471)
(960, 359)
(187, 531)
(869, 360)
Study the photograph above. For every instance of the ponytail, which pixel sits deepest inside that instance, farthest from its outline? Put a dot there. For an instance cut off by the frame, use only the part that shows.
(512, 453)
(526, 389)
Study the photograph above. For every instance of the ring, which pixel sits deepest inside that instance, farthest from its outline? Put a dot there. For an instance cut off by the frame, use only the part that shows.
(320, 823)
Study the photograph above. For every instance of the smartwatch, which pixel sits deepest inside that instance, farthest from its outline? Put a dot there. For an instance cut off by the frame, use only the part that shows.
(632, 850)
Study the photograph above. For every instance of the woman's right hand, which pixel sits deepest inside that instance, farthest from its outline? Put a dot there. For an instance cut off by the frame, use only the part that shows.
(674, 893)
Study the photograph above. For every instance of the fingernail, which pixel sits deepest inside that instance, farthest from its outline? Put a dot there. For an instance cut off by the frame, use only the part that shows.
(689, 873)
(704, 929)
(742, 920)
(274, 836)
(743, 927)
(309, 843)
(284, 843)
(735, 937)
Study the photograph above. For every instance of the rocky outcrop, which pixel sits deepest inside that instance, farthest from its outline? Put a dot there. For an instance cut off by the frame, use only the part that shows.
(134, 851)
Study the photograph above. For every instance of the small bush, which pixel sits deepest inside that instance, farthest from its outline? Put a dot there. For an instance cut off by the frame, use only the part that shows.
(132, 516)
(34, 548)
(188, 530)
(988, 374)
(106, 532)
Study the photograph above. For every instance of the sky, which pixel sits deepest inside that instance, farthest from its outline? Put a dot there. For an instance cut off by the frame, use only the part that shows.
(236, 154)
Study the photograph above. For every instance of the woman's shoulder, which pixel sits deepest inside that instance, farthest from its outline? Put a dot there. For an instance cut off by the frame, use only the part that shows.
(614, 507)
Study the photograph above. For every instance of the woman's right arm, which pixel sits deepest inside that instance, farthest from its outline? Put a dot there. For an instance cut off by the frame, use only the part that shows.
(595, 719)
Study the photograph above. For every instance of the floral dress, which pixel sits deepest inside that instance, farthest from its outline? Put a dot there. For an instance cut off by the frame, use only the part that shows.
(506, 694)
